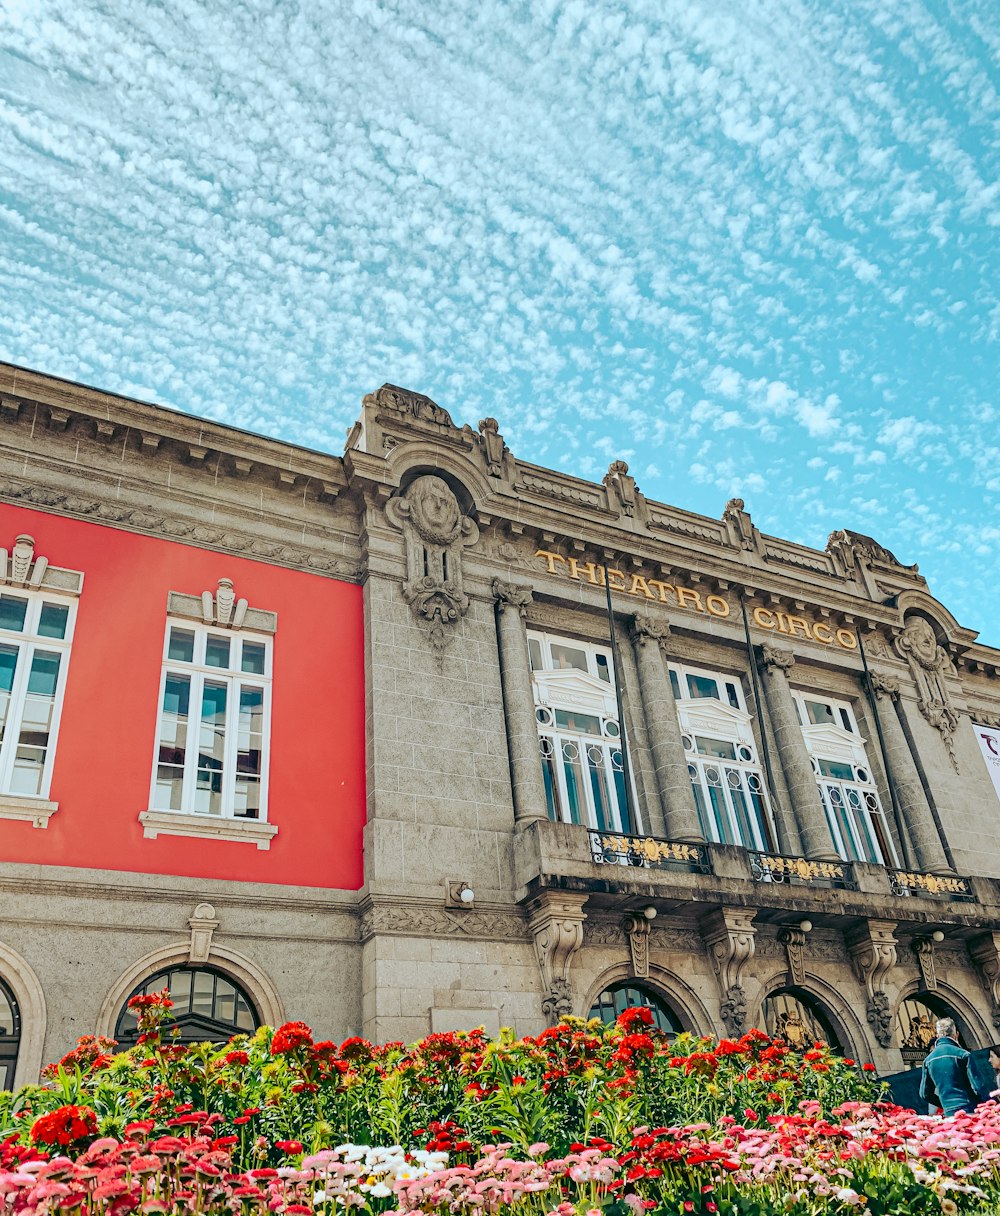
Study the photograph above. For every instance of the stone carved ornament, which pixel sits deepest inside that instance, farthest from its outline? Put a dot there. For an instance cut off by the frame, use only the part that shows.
(929, 665)
(494, 448)
(556, 923)
(621, 487)
(739, 522)
(730, 937)
(985, 953)
(873, 953)
(637, 929)
(435, 532)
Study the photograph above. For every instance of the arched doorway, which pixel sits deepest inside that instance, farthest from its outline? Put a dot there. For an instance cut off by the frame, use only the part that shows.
(798, 1018)
(208, 1006)
(915, 1020)
(10, 1036)
(619, 997)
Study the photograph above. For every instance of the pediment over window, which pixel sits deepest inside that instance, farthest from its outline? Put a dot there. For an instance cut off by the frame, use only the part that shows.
(708, 717)
(576, 689)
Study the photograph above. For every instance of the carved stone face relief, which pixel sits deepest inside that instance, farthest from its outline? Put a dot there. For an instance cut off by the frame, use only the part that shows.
(434, 510)
(918, 638)
(434, 532)
(929, 665)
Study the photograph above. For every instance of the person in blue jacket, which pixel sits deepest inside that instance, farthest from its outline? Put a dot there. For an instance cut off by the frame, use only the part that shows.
(946, 1081)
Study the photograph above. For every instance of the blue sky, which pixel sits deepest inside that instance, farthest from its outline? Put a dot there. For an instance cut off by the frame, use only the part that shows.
(751, 249)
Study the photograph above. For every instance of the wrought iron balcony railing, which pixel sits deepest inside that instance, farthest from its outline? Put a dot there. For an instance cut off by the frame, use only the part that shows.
(618, 849)
(937, 886)
(801, 871)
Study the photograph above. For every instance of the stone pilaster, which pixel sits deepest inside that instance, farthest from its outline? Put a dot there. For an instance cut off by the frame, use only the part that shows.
(679, 817)
(803, 791)
(914, 809)
(527, 785)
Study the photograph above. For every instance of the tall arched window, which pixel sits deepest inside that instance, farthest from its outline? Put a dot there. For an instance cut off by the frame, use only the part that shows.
(799, 1019)
(208, 1006)
(10, 1036)
(619, 997)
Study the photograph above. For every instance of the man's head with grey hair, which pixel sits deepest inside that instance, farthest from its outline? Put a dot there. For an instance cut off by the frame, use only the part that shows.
(945, 1028)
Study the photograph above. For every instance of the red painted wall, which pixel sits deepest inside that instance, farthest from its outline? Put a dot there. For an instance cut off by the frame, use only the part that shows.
(104, 755)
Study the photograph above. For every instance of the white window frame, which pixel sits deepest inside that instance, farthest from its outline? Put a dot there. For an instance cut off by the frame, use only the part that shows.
(841, 742)
(585, 692)
(188, 821)
(35, 808)
(707, 717)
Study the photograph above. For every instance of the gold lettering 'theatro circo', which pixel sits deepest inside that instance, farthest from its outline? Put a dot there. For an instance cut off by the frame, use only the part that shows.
(686, 597)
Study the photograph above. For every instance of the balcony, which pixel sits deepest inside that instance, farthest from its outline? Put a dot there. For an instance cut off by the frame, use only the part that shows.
(614, 865)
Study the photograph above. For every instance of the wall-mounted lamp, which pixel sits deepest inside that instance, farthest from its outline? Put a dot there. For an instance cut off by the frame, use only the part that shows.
(806, 926)
(937, 935)
(458, 894)
(649, 912)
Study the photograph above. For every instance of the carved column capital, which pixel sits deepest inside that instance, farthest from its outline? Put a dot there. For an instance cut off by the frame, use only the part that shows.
(883, 685)
(512, 595)
(775, 658)
(730, 935)
(872, 948)
(647, 629)
(556, 923)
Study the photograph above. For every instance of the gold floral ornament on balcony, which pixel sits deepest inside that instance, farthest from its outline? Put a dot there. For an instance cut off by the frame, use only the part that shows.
(435, 533)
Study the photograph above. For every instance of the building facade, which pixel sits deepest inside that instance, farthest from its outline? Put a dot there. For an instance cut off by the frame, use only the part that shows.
(353, 740)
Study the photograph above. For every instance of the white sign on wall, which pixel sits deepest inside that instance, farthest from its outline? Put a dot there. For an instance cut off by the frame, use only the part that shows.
(988, 738)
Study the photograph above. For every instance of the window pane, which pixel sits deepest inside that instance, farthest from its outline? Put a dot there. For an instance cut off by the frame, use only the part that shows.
(675, 684)
(211, 749)
(837, 769)
(734, 699)
(703, 688)
(535, 654)
(565, 657)
(180, 648)
(575, 787)
(253, 658)
(180, 990)
(845, 717)
(216, 651)
(587, 724)
(547, 750)
(715, 747)
(603, 670)
(53, 620)
(250, 742)
(819, 712)
(36, 724)
(12, 613)
(202, 993)
(8, 665)
(169, 792)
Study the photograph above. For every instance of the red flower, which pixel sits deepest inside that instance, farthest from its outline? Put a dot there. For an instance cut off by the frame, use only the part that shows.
(288, 1146)
(290, 1037)
(237, 1057)
(62, 1126)
(355, 1049)
(868, 1067)
(636, 1015)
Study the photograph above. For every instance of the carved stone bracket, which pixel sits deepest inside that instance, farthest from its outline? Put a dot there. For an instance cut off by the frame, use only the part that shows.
(985, 953)
(203, 925)
(794, 940)
(435, 533)
(923, 948)
(556, 924)
(637, 930)
(622, 489)
(929, 665)
(872, 948)
(730, 935)
(647, 629)
(512, 595)
(882, 685)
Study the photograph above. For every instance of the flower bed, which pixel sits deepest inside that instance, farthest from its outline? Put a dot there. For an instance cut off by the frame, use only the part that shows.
(580, 1119)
